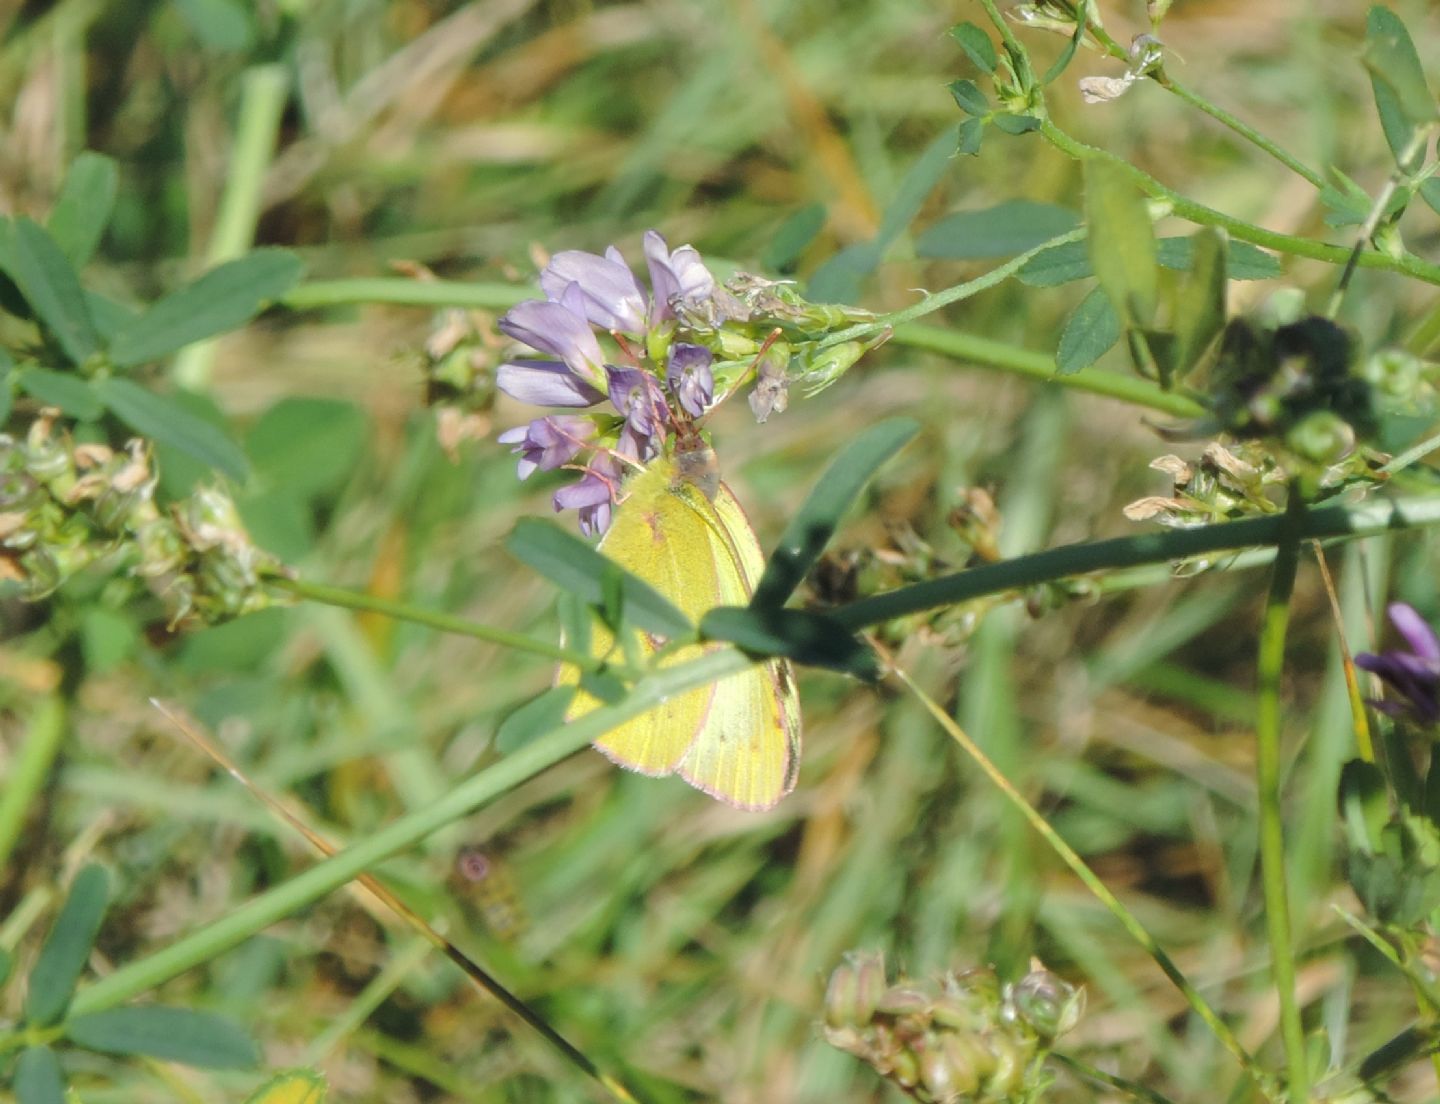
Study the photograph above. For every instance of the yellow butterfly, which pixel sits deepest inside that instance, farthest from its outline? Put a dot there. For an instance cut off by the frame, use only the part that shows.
(681, 530)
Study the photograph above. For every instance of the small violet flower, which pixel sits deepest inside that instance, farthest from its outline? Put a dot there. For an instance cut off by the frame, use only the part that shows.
(689, 377)
(678, 274)
(612, 298)
(593, 496)
(548, 443)
(1413, 674)
(560, 329)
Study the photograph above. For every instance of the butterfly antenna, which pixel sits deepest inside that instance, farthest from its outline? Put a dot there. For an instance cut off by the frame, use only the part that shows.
(477, 974)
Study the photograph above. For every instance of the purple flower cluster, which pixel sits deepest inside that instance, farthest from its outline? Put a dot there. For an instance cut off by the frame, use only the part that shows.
(1413, 674)
(585, 292)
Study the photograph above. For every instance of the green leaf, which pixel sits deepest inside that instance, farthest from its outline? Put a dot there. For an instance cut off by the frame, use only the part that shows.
(52, 979)
(815, 522)
(806, 637)
(972, 131)
(291, 1087)
(109, 316)
(163, 420)
(82, 210)
(1071, 261)
(977, 46)
(176, 1034)
(225, 298)
(576, 567)
(538, 715)
(66, 390)
(1001, 231)
(1121, 241)
(1061, 264)
(1089, 333)
(44, 276)
(1397, 79)
(792, 238)
(1016, 124)
(918, 183)
(309, 447)
(38, 1079)
(1067, 55)
(1364, 805)
(969, 98)
(1200, 302)
(107, 638)
(838, 280)
(7, 962)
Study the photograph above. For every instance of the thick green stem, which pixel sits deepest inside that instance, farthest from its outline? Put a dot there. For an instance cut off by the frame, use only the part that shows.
(402, 292)
(1268, 725)
(1368, 519)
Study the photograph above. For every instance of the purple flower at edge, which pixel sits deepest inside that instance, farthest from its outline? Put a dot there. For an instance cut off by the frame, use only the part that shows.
(689, 377)
(637, 395)
(560, 329)
(678, 274)
(1414, 675)
(611, 296)
(593, 496)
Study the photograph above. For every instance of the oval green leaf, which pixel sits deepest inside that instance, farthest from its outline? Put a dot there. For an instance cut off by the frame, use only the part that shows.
(167, 422)
(69, 392)
(177, 1034)
(1121, 241)
(82, 209)
(38, 1079)
(1000, 231)
(52, 979)
(577, 568)
(1089, 333)
(47, 280)
(815, 522)
(225, 298)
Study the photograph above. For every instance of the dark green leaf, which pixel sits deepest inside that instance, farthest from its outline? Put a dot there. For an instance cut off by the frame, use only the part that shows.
(809, 638)
(1364, 805)
(1200, 302)
(538, 715)
(107, 638)
(82, 210)
(1071, 261)
(8, 382)
(1397, 79)
(224, 25)
(1430, 193)
(1089, 333)
(63, 389)
(162, 419)
(1066, 55)
(918, 183)
(308, 446)
(977, 46)
(1059, 265)
(972, 131)
(52, 979)
(109, 316)
(576, 567)
(812, 526)
(44, 276)
(175, 1034)
(969, 98)
(1121, 241)
(278, 521)
(225, 298)
(792, 238)
(38, 1079)
(1016, 124)
(1000, 231)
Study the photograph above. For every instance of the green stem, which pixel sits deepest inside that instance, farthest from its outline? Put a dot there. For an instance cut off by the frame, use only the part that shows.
(401, 292)
(28, 773)
(263, 92)
(1041, 366)
(1407, 264)
(255, 915)
(1072, 859)
(1268, 718)
(1243, 129)
(357, 600)
(1366, 519)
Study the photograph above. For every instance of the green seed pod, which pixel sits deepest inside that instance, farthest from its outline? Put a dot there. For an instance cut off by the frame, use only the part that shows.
(1048, 1004)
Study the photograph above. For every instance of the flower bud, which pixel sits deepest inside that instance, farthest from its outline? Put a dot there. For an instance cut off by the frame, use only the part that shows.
(855, 989)
(1048, 1003)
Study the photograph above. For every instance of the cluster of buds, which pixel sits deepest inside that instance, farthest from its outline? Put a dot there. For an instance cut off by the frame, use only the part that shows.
(670, 354)
(1225, 483)
(65, 507)
(961, 1038)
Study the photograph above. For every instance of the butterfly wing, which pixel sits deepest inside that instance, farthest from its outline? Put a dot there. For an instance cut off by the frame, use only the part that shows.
(747, 750)
(657, 538)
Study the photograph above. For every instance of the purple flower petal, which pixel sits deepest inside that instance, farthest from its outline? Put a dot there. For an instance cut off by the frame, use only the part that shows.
(638, 397)
(557, 329)
(1417, 633)
(678, 274)
(548, 443)
(611, 297)
(689, 377)
(545, 383)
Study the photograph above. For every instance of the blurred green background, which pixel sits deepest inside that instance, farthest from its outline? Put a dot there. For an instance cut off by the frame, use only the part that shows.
(663, 933)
